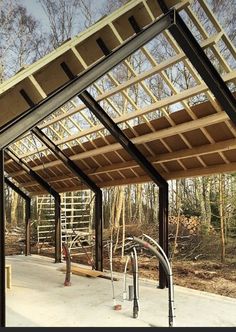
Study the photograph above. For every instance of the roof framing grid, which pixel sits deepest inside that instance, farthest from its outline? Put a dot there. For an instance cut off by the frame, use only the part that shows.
(199, 59)
(12, 130)
(84, 140)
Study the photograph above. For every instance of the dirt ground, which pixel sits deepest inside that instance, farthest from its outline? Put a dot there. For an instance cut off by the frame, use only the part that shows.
(208, 275)
(204, 275)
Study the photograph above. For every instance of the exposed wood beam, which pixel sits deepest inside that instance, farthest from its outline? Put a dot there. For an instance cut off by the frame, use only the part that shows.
(181, 154)
(191, 92)
(163, 133)
(140, 77)
(210, 170)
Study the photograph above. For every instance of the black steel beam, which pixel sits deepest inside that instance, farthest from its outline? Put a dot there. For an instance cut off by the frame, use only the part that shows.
(119, 135)
(27, 200)
(2, 244)
(51, 191)
(201, 62)
(27, 227)
(66, 160)
(13, 130)
(98, 232)
(32, 173)
(58, 247)
(16, 189)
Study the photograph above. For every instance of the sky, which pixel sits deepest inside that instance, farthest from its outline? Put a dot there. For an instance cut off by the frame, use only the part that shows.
(34, 8)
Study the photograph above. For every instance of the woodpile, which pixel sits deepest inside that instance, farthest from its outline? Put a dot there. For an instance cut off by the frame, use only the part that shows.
(190, 224)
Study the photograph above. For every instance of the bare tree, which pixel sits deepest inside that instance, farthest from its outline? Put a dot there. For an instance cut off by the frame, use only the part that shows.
(67, 17)
(22, 41)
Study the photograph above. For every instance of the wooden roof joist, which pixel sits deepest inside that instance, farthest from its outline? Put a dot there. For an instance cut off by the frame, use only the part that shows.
(201, 88)
(199, 149)
(160, 134)
(156, 69)
(211, 170)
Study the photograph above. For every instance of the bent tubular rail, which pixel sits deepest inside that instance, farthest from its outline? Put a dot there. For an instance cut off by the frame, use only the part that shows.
(165, 264)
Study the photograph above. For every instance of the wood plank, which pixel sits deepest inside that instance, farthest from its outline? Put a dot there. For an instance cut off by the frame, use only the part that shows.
(84, 272)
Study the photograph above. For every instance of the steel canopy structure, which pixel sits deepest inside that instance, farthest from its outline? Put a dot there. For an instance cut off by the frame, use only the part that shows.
(145, 94)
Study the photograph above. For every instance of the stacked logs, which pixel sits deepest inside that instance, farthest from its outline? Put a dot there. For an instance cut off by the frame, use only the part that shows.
(190, 224)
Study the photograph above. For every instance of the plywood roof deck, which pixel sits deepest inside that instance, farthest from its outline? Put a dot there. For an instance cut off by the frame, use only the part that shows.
(176, 123)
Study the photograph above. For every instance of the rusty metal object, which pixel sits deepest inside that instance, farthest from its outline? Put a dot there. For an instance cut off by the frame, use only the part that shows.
(68, 264)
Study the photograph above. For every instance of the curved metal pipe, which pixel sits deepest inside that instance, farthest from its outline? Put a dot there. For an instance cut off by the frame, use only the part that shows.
(124, 278)
(163, 262)
(134, 262)
(171, 284)
(111, 271)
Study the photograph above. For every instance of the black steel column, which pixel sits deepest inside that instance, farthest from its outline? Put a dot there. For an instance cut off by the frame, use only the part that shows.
(163, 230)
(2, 243)
(98, 231)
(27, 227)
(57, 229)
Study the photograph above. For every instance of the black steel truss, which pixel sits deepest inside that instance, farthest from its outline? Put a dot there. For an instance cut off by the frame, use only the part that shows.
(66, 160)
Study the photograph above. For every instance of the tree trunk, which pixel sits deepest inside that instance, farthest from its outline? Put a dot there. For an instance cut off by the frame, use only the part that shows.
(221, 210)
(123, 230)
(14, 205)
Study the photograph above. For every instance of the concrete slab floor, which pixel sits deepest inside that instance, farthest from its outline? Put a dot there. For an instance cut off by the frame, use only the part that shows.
(38, 298)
